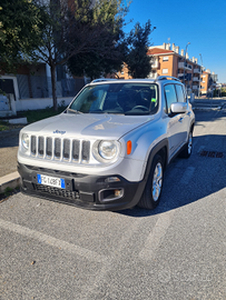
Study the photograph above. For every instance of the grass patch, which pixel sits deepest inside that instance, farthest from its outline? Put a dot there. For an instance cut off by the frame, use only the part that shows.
(7, 193)
(40, 114)
(4, 126)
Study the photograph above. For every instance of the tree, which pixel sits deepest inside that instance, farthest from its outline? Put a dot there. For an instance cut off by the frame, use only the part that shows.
(76, 27)
(139, 63)
(107, 49)
(20, 32)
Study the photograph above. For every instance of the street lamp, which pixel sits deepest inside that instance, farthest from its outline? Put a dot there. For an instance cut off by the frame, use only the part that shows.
(185, 60)
(200, 73)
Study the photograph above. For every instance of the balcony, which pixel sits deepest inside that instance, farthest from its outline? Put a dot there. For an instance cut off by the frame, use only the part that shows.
(153, 75)
(196, 79)
(180, 75)
(197, 71)
(155, 64)
(184, 65)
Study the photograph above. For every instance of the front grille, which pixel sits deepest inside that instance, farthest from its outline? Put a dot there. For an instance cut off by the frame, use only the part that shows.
(60, 148)
(49, 146)
(41, 145)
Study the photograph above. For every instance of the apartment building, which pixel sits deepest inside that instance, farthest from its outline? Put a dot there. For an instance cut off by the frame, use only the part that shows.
(168, 60)
(123, 74)
(208, 83)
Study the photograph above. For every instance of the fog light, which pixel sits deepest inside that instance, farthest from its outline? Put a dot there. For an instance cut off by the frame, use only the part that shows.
(118, 193)
(111, 194)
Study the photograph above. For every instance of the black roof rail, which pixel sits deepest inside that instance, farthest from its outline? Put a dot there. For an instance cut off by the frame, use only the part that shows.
(166, 77)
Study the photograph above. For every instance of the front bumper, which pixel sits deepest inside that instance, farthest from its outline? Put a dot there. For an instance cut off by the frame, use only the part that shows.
(85, 191)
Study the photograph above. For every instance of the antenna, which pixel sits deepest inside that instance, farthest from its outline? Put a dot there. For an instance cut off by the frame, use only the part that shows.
(201, 59)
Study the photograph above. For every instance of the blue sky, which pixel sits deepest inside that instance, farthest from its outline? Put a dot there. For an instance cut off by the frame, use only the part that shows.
(200, 22)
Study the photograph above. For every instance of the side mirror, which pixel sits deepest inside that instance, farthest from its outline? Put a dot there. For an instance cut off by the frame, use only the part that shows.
(178, 107)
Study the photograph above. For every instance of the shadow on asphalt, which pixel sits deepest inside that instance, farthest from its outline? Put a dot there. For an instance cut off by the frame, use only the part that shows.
(208, 177)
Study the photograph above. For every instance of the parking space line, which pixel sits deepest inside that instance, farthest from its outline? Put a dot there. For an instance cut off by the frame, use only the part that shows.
(153, 241)
(49, 240)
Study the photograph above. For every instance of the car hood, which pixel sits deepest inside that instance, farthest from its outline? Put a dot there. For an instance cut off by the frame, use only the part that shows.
(88, 125)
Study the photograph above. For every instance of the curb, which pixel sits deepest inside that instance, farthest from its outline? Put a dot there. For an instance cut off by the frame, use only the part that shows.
(9, 181)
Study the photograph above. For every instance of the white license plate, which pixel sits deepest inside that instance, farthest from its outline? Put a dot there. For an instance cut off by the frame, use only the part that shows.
(51, 181)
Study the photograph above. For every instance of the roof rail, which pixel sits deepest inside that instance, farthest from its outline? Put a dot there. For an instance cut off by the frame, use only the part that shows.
(103, 79)
(167, 77)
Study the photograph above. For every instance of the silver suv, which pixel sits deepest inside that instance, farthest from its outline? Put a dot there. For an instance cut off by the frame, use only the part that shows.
(110, 147)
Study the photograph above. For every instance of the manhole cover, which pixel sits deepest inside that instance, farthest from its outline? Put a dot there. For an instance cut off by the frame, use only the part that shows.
(207, 153)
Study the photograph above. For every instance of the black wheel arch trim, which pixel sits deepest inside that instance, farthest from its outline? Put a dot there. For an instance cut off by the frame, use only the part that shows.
(161, 148)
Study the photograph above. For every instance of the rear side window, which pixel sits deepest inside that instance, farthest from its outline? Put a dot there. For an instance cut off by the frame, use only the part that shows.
(180, 93)
(170, 95)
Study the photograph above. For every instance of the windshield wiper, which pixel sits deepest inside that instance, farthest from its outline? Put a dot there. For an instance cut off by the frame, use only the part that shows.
(74, 111)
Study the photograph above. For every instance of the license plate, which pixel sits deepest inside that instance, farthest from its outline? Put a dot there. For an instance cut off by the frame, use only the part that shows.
(51, 181)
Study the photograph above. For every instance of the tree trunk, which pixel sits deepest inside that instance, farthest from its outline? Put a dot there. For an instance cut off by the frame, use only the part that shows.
(53, 81)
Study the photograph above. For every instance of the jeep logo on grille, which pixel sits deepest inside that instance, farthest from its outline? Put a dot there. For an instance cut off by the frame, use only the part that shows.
(59, 132)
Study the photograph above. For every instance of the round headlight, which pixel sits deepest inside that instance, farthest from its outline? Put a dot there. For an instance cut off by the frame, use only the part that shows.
(25, 141)
(108, 149)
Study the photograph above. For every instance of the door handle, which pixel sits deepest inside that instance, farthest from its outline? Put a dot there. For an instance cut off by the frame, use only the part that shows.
(181, 119)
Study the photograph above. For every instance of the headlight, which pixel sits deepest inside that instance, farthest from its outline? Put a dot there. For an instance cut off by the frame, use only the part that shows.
(108, 149)
(25, 141)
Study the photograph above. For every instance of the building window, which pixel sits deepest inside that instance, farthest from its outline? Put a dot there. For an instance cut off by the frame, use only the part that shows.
(164, 71)
(165, 58)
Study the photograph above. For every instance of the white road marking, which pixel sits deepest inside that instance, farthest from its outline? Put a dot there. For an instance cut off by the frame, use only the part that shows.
(187, 175)
(49, 240)
(153, 241)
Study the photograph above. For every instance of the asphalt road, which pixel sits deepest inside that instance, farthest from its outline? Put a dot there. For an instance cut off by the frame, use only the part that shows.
(178, 251)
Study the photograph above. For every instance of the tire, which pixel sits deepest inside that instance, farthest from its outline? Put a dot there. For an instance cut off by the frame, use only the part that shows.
(187, 151)
(153, 189)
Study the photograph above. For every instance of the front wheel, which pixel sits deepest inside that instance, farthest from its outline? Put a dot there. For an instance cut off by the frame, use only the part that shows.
(153, 190)
(186, 152)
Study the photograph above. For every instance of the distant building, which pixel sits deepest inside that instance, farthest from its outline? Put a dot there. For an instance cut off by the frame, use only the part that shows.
(208, 82)
(123, 74)
(169, 60)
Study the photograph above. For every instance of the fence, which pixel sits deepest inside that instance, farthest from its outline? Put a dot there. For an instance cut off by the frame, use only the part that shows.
(40, 86)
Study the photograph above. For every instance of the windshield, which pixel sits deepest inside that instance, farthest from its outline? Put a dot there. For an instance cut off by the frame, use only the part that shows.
(118, 98)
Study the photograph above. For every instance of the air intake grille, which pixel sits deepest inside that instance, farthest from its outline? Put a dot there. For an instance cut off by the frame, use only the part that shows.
(61, 149)
(73, 195)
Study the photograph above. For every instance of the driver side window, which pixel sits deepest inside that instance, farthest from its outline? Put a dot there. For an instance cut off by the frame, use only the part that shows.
(170, 96)
(180, 93)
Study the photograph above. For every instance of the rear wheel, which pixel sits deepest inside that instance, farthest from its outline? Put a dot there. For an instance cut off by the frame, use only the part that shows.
(153, 190)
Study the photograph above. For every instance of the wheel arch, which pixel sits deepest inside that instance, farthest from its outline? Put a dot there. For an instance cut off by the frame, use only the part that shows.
(192, 126)
(162, 149)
